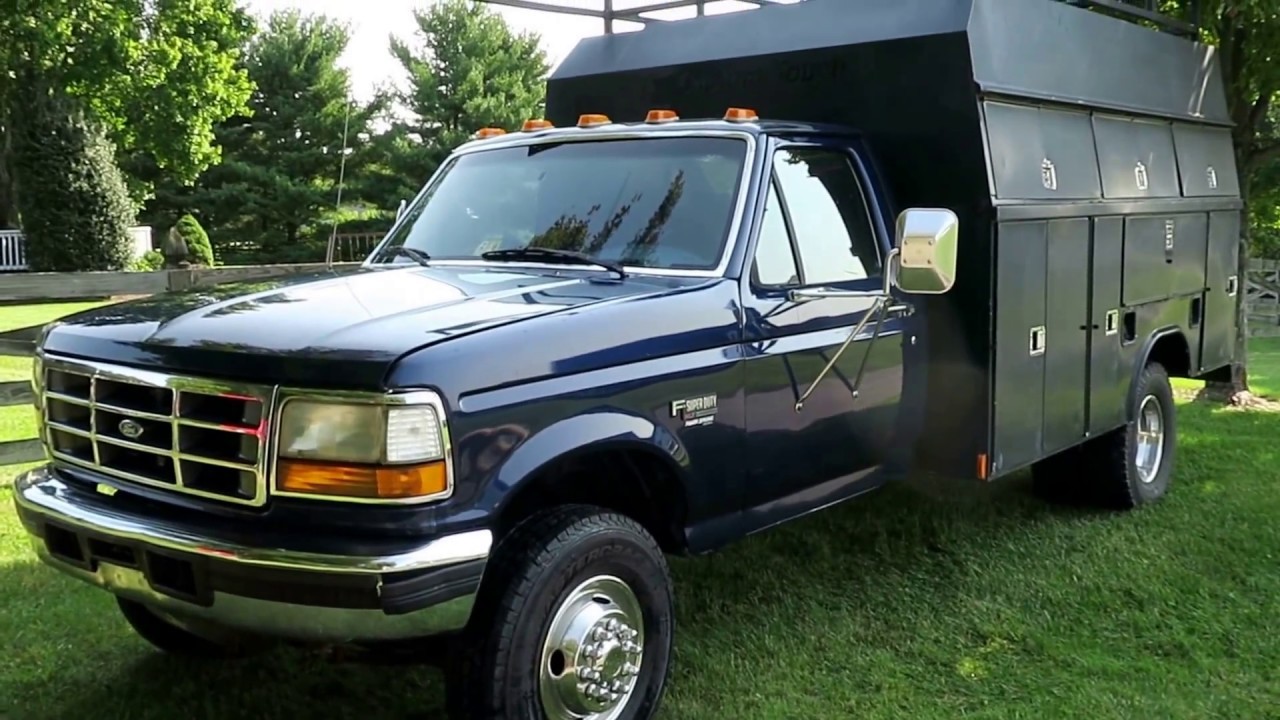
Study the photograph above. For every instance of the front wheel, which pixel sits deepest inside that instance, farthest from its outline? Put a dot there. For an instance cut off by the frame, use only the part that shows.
(575, 622)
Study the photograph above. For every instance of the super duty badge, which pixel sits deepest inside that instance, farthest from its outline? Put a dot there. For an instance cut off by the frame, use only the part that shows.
(700, 410)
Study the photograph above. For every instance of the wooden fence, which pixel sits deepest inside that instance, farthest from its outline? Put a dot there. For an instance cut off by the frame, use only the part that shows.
(95, 285)
(1262, 298)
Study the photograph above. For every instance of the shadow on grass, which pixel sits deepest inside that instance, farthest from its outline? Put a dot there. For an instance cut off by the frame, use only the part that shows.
(70, 654)
(904, 598)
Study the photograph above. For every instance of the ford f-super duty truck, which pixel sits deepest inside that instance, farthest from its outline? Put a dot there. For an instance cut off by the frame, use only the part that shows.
(749, 266)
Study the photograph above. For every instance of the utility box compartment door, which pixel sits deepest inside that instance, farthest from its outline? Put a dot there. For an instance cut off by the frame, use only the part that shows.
(1039, 154)
(1220, 324)
(1190, 239)
(1136, 158)
(1163, 256)
(1021, 338)
(1067, 350)
(1206, 160)
(1108, 377)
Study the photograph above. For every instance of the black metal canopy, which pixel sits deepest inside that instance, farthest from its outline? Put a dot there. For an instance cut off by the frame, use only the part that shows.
(643, 11)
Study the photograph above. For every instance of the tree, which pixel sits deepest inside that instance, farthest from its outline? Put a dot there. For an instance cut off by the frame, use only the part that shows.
(469, 70)
(1247, 35)
(76, 208)
(282, 157)
(157, 74)
(199, 251)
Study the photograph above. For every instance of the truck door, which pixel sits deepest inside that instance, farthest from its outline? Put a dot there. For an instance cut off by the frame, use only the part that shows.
(816, 232)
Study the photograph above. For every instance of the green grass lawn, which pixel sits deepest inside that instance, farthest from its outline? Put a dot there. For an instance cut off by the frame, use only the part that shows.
(930, 600)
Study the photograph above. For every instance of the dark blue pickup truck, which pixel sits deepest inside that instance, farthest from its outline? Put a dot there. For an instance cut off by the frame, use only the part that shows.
(616, 334)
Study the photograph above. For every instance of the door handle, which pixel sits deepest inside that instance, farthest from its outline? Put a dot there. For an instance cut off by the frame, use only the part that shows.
(1036, 341)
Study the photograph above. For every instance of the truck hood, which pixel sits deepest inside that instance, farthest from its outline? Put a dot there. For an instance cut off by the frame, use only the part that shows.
(332, 329)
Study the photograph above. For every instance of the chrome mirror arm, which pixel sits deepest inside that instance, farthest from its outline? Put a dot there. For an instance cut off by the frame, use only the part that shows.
(880, 309)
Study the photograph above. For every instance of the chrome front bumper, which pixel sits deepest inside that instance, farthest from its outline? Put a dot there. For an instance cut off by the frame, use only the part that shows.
(399, 592)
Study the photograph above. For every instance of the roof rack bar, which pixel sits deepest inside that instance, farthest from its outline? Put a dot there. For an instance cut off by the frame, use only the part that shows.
(608, 13)
(1145, 10)
(1142, 11)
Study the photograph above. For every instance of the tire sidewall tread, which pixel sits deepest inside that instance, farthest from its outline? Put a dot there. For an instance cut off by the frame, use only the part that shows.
(533, 568)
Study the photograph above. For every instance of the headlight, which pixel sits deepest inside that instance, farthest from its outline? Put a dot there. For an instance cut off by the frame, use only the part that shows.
(363, 450)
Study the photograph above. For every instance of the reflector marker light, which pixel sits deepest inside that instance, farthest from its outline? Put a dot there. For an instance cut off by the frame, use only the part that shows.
(488, 132)
(661, 116)
(531, 125)
(592, 120)
(740, 115)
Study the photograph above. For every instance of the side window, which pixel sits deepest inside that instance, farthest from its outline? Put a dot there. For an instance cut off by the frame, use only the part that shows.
(829, 215)
(775, 261)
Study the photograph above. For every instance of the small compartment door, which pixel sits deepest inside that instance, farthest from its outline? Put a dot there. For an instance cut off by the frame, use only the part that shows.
(1206, 160)
(1136, 158)
(1218, 337)
(1039, 154)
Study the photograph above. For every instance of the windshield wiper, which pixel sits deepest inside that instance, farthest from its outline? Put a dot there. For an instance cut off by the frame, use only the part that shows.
(413, 254)
(552, 255)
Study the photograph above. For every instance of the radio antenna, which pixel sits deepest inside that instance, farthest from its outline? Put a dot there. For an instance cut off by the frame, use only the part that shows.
(342, 174)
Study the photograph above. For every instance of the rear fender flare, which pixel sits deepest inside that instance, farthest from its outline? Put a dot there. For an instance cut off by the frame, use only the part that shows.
(1144, 355)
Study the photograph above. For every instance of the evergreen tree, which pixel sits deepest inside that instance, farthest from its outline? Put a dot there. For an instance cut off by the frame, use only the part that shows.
(199, 251)
(281, 160)
(75, 206)
(468, 70)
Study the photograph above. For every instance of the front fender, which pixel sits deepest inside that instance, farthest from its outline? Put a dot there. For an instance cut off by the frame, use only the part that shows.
(595, 430)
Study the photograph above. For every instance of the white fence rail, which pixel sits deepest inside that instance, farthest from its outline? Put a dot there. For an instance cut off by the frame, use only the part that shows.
(13, 251)
(13, 247)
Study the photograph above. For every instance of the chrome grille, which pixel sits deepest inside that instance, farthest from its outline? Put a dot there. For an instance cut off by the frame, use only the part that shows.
(188, 435)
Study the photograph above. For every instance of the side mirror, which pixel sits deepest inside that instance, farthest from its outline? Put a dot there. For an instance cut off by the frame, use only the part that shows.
(927, 240)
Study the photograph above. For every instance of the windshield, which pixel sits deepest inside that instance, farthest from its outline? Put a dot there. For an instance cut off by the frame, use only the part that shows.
(656, 202)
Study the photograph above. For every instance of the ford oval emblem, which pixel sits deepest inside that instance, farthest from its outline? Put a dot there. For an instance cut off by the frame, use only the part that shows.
(130, 429)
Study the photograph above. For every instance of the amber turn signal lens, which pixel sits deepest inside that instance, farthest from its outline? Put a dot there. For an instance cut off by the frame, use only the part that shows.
(362, 481)
(590, 120)
(489, 132)
(740, 115)
(661, 116)
(530, 125)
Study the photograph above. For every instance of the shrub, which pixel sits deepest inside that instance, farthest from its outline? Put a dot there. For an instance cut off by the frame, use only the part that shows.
(151, 260)
(199, 251)
(76, 211)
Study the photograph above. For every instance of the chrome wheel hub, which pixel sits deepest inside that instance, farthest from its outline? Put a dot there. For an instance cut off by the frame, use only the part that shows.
(1150, 445)
(592, 654)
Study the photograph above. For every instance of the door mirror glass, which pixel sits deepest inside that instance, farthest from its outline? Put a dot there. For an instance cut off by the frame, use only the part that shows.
(927, 240)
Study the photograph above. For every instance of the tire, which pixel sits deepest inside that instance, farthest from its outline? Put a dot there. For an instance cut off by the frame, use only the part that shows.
(1133, 465)
(169, 637)
(1109, 471)
(540, 633)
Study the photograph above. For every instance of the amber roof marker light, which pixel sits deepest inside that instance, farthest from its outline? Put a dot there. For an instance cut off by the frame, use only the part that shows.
(593, 120)
(532, 125)
(488, 132)
(734, 114)
(661, 116)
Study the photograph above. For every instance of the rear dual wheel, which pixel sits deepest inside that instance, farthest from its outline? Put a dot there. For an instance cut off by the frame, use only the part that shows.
(574, 622)
(1128, 467)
